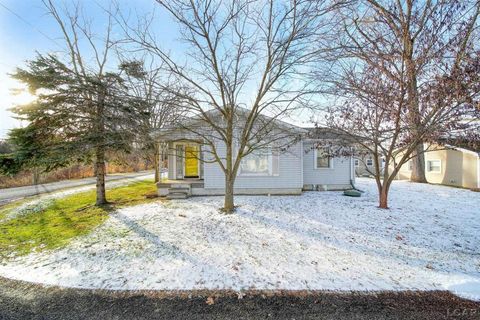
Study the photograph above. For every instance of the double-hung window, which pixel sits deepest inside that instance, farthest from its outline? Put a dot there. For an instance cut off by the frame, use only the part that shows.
(369, 162)
(322, 158)
(434, 165)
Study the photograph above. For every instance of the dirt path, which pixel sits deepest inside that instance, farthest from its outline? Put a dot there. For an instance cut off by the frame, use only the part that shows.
(21, 300)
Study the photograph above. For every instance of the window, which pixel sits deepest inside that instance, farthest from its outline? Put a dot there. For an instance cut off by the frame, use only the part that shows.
(260, 163)
(322, 159)
(357, 163)
(410, 165)
(369, 162)
(434, 165)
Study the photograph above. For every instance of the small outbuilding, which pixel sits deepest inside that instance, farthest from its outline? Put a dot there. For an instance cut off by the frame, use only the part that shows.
(449, 165)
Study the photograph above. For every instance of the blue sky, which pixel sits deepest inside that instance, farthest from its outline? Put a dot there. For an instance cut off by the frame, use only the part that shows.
(26, 28)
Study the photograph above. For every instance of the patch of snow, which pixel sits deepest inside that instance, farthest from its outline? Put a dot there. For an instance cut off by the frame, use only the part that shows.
(466, 287)
(41, 201)
(428, 240)
(28, 208)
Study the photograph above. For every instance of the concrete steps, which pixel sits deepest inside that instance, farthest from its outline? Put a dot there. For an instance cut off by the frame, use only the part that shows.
(177, 195)
(179, 192)
(179, 189)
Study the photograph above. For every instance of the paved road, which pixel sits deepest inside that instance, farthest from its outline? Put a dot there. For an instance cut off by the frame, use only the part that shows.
(22, 300)
(21, 192)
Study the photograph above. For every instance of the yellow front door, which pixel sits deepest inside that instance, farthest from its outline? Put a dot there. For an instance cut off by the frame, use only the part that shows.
(191, 161)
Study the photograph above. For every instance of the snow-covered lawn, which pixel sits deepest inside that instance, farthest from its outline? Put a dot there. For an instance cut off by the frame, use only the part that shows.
(429, 239)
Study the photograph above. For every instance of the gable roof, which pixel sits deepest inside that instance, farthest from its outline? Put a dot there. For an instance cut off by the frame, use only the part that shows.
(177, 131)
(328, 133)
(465, 144)
(181, 126)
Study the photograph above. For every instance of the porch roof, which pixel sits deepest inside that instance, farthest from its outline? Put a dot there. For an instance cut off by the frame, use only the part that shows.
(175, 134)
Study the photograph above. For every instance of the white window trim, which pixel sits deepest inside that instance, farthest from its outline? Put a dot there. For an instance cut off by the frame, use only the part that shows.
(440, 166)
(185, 144)
(357, 163)
(315, 153)
(369, 165)
(270, 150)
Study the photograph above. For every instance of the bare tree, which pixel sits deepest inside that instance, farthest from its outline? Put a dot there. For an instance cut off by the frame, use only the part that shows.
(242, 72)
(406, 77)
(411, 41)
(146, 83)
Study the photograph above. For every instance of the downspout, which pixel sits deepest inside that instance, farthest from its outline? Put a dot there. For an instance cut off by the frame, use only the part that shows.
(352, 179)
(352, 175)
(302, 150)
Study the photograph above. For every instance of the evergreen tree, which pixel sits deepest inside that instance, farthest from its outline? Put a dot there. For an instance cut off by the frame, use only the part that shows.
(82, 110)
(74, 118)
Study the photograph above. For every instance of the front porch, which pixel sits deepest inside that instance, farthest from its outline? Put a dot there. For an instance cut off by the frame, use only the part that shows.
(184, 166)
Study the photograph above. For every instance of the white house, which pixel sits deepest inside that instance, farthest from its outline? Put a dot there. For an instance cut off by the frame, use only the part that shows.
(302, 166)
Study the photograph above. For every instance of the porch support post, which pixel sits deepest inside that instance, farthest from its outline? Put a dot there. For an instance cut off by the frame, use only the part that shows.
(162, 158)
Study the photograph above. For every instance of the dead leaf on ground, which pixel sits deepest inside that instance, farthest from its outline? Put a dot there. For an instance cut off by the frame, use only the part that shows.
(210, 301)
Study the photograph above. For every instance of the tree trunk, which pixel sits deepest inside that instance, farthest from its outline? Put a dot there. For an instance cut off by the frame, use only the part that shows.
(418, 165)
(100, 176)
(418, 162)
(229, 205)
(36, 176)
(100, 167)
(383, 197)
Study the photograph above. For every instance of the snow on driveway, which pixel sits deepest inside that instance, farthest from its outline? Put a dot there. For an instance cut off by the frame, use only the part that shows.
(429, 239)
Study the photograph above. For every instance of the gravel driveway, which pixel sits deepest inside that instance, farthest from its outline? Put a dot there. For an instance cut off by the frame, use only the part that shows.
(21, 300)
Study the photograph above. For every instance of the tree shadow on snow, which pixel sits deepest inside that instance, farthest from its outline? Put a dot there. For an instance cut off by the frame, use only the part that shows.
(303, 230)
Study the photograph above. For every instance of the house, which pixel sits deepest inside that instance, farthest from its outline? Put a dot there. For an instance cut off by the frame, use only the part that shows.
(448, 165)
(303, 165)
(364, 164)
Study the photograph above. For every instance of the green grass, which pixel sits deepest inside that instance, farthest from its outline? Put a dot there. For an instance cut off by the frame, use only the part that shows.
(64, 219)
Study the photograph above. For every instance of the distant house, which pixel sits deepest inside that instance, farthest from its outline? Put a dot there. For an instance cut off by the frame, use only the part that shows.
(302, 166)
(365, 166)
(449, 165)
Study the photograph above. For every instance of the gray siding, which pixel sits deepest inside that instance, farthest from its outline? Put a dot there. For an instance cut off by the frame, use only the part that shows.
(289, 177)
(339, 175)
